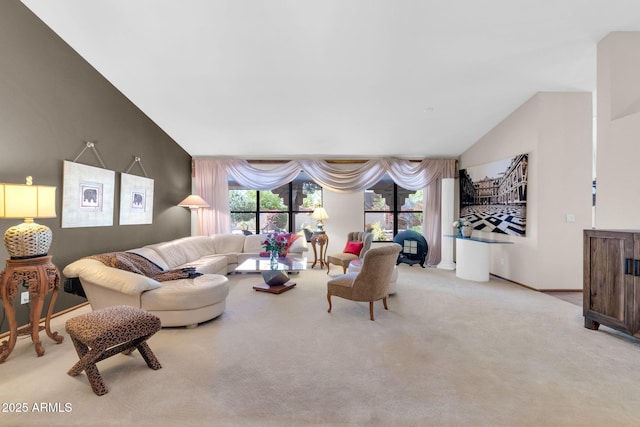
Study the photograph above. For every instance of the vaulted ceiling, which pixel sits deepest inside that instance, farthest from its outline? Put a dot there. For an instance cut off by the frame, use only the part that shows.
(336, 78)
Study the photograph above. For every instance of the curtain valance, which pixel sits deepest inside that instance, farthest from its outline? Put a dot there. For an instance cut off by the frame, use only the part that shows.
(407, 174)
(212, 175)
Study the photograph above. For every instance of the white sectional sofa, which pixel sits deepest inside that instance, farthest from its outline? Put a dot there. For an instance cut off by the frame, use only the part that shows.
(181, 302)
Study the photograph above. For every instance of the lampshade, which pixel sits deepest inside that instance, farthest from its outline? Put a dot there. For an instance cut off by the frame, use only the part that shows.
(27, 201)
(193, 202)
(319, 213)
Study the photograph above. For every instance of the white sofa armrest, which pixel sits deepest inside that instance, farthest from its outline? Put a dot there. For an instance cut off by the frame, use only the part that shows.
(95, 272)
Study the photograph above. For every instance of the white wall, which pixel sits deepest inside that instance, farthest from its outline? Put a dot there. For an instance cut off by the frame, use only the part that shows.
(346, 213)
(555, 130)
(618, 176)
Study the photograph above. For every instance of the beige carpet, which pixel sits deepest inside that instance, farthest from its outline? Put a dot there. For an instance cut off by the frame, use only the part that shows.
(448, 353)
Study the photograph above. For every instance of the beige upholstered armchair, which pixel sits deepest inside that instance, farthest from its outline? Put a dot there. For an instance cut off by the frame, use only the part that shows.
(358, 243)
(371, 283)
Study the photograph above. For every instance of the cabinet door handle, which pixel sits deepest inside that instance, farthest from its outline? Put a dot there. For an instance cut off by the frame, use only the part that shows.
(636, 267)
(628, 265)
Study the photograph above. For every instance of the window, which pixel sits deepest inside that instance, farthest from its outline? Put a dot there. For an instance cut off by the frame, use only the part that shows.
(389, 209)
(284, 209)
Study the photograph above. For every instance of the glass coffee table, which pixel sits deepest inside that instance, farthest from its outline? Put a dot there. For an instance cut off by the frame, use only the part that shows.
(276, 279)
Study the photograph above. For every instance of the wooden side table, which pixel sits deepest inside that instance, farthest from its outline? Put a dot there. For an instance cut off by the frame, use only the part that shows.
(42, 277)
(320, 239)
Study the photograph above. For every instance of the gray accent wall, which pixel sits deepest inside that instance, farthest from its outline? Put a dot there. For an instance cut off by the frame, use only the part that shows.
(51, 102)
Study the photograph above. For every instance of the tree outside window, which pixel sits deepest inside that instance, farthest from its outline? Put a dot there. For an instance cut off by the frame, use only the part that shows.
(389, 209)
(285, 209)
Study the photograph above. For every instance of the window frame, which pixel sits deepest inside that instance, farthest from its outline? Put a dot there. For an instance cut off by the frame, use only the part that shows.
(290, 211)
(395, 211)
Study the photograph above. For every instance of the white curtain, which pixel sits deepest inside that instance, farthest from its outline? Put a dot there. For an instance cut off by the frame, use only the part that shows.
(341, 180)
(259, 179)
(212, 184)
(431, 224)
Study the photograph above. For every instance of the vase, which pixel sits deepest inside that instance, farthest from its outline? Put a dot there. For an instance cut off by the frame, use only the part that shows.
(273, 260)
(459, 231)
(466, 231)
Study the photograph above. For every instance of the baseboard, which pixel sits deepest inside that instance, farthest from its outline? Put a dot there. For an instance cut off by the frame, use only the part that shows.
(53, 316)
(534, 289)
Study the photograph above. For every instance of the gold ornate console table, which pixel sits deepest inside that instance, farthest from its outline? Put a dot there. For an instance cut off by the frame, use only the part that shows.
(41, 277)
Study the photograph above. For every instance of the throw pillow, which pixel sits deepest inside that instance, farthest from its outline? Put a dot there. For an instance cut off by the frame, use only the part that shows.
(292, 237)
(353, 248)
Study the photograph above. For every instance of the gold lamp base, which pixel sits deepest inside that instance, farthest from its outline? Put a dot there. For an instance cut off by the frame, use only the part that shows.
(28, 240)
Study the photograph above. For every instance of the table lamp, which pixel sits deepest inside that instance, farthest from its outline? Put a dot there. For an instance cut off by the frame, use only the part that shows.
(29, 239)
(193, 202)
(319, 214)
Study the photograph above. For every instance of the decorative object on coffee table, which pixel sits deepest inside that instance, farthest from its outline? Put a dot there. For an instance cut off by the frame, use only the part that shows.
(273, 259)
(275, 277)
(276, 280)
(276, 244)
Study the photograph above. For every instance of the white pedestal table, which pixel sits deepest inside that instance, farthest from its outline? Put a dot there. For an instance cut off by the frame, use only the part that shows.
(473, 257)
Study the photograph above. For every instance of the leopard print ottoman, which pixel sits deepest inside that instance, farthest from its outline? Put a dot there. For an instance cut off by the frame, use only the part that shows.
(103, 333)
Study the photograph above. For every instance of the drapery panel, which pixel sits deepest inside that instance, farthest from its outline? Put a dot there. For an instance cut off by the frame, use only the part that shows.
(212, 185)
(212, 177)
(432, 224)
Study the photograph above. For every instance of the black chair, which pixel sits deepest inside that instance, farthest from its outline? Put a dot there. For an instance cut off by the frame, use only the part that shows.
(414, 247)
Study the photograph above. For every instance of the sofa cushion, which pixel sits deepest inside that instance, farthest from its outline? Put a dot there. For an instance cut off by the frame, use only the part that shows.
(151, 255)
(187, 294)
(126, 282)
(170, 252)
(197, 246)
(181, 251)
(227, 243)
(211, 264)
(254, 243)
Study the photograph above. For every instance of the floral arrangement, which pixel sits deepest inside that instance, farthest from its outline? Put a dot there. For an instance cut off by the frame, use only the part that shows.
(460, 226)
(276, 243)
(461, 223)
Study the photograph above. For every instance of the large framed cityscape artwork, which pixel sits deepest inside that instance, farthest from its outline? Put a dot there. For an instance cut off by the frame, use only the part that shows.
(493, 196)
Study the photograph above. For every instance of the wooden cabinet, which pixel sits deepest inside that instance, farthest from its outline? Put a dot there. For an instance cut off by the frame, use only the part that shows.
(612, 279)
